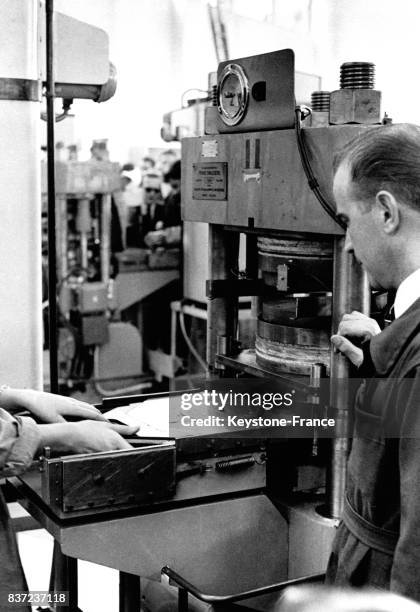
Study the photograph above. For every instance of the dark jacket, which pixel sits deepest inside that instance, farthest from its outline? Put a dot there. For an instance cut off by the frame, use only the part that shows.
(378, 541)
(19, 440)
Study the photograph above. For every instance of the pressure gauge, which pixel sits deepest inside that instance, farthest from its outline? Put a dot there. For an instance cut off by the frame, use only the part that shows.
(232, 94)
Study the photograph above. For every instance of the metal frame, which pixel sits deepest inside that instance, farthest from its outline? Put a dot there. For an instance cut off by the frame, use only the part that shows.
(185, 588)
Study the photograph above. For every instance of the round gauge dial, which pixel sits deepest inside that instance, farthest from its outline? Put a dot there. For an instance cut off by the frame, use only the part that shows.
(232, 94)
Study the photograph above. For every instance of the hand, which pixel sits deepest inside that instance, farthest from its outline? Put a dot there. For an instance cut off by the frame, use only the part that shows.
(358, 325)
(347, 348)
(156, 238)
(48, 407)
(85, 437)
(354, 325)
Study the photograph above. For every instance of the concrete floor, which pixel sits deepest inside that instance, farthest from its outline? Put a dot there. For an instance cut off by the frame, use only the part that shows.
(98, 586)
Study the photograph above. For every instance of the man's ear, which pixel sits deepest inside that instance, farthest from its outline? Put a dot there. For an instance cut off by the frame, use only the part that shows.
(388, 210)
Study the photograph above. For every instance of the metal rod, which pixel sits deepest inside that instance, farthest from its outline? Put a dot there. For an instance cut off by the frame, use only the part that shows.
(62, 236)
(52, 255)
(188, 587)
(351, 292)
(105, 237)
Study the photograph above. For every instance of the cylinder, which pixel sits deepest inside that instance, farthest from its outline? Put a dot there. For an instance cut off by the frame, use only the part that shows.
(351, 292)
(20, 201)
(105, 237)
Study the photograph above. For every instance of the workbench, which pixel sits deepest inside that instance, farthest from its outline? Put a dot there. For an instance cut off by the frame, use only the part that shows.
(224, 545)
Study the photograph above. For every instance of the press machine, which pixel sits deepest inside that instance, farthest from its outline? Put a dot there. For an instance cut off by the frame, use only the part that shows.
(264, 168)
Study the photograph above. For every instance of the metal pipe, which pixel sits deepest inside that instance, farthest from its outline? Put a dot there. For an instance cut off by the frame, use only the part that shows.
(52, 256)
(62, 236)
(106, 238)
(351, 292)
(84, 226)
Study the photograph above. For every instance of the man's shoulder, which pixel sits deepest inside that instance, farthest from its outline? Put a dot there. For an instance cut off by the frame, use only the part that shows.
(399, 344)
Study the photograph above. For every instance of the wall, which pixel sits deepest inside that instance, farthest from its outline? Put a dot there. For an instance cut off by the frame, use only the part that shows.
(162, 48)
(385, 32)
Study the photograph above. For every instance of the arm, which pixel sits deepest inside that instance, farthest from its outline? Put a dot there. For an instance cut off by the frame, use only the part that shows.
(406, 563)
(19, 441)
(47, 407)
(169, 236)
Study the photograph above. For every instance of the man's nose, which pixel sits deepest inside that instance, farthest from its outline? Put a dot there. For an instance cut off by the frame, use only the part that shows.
(348, 245)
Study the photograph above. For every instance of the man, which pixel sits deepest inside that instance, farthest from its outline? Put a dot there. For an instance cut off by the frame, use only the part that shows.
(377, 193)
(153, 204)
(167, 230)
(21, 439)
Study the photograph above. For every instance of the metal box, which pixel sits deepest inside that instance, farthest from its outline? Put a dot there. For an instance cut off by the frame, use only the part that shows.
(108, 481)
(92, 297)
(256, 180)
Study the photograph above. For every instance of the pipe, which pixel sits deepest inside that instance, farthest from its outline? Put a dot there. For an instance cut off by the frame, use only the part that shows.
(351, 292)
(52, 256)
(106, 238)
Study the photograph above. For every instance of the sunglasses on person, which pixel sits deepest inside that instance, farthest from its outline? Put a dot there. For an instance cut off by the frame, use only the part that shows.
(151, 190)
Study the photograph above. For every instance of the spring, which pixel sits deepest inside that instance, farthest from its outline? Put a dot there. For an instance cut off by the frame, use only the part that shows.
(357, 75)
(235, 464)
(320, 101)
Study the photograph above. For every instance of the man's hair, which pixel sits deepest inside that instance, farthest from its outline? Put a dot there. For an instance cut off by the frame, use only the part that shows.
(174, 172)
(149, 160)
(386, 157)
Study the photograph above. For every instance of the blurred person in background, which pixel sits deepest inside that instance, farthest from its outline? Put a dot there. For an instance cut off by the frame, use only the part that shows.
(167, 231)
(164, 163)
(147, 163)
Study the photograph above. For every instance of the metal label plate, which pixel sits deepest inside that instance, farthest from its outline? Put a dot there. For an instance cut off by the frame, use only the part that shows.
(209, 181)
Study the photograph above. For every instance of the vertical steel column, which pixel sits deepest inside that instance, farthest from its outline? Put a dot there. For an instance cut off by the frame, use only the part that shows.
(62, 237)
(83, 225)
(222, 312)
(350, 292)
(52, 253)
(105, 237)
(130, 595)
(20, 198)
(64, 577)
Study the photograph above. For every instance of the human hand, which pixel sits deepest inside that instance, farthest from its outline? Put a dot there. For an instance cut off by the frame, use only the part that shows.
(354, 325)
(85, 437)
(358, 325)
(156, 238)
(48, 407)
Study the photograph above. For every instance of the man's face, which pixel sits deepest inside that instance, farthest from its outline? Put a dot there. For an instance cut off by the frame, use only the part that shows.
(175, 185)
(363, 237)
(152, 191)
(165, 162)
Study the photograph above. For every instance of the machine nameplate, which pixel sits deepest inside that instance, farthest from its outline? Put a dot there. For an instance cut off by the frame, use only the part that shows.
(209, 148)
(209, 181)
